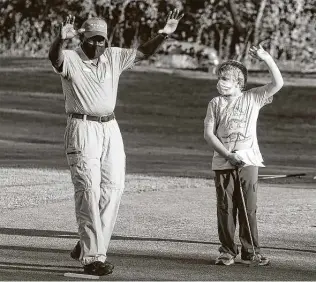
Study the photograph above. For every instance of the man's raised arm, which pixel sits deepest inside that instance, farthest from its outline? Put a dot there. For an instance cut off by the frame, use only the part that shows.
(150, 47)
(66, 32)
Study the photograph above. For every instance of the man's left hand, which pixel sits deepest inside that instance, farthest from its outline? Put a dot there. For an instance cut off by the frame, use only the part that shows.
(172, 22)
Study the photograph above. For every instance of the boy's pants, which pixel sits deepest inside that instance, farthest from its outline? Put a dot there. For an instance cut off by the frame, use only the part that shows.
(229, 201)
(96, 157)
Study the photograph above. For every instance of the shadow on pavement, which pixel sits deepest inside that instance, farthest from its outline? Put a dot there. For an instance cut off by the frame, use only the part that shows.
(36, 267)
(32, 249)
(117, 255)
(38, 233)
(151, 267)
(73, 235)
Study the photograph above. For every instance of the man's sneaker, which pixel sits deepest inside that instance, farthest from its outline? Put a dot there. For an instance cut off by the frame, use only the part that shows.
(98, 268)
(262, 261)
(75, 253)
(225, 259)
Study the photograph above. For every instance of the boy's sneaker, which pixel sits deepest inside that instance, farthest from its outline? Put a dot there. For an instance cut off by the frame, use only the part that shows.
(75, 253)
(225, 259)
(250, 258)
(98, 268)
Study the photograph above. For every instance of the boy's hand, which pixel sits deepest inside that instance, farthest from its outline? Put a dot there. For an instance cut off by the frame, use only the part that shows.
(235, 160)
(259, 53)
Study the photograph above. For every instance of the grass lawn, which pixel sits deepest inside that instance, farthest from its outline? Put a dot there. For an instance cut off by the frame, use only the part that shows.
(161, 118)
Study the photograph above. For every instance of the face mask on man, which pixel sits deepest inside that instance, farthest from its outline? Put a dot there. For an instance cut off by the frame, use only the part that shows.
(93, 51)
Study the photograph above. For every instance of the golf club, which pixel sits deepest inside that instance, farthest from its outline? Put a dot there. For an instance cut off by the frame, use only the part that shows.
(255, 259)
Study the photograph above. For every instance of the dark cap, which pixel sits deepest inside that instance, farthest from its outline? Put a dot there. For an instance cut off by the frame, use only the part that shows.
(93, 27)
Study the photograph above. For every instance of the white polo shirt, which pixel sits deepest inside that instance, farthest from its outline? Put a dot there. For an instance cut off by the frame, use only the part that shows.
(235, 122)
(91, 89)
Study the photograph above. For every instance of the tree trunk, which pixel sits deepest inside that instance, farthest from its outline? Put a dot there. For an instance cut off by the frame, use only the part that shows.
(259, 21)
(238, 33)
(220, 43)
(235, 16)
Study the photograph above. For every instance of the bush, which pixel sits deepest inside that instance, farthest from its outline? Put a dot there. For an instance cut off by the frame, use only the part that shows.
(204, 55)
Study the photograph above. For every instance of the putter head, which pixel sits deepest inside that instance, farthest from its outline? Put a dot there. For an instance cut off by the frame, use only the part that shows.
(255, 261)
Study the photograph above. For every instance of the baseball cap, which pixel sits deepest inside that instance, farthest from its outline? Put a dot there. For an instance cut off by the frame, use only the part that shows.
(236, 64)
(93, 27)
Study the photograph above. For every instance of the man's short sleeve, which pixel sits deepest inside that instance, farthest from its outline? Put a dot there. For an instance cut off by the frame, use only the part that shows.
(66, 70)
(123, 58)
(210, 119)
(260, 95)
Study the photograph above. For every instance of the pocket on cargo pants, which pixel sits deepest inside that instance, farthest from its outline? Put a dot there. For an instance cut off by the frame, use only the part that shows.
(79, 171)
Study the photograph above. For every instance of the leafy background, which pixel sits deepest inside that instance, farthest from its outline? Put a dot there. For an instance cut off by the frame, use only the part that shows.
(27, 27)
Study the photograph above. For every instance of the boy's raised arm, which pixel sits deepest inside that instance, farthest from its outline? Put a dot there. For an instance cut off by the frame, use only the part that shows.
(277, 80)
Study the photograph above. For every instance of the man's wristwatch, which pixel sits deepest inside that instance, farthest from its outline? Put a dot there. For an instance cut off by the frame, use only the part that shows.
(162, 33)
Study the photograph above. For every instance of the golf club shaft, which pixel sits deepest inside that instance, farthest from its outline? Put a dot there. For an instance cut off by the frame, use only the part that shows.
(246, 215)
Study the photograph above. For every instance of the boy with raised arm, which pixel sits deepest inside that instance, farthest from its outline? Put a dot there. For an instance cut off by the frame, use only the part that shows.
(230, 129)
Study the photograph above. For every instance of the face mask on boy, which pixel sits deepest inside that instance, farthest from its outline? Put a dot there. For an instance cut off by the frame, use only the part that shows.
(226, 87)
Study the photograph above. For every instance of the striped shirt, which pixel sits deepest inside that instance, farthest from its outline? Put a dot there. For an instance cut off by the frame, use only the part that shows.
(92, 89)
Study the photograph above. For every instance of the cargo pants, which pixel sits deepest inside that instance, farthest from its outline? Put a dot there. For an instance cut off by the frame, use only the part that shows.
(229, 202)
(96, 157)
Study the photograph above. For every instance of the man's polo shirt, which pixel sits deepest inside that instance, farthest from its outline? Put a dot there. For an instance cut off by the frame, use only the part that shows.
(89, 88)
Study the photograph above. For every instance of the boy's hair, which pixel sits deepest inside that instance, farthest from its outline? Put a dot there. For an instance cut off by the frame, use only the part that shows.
(235, 68)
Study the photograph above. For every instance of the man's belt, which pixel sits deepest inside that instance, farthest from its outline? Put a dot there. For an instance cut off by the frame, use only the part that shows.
(93, 118)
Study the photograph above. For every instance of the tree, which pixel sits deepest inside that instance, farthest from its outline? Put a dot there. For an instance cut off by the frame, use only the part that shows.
(27, 27)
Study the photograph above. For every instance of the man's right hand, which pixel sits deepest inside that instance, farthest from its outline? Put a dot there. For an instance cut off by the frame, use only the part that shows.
(67, 30)
(235, 160)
